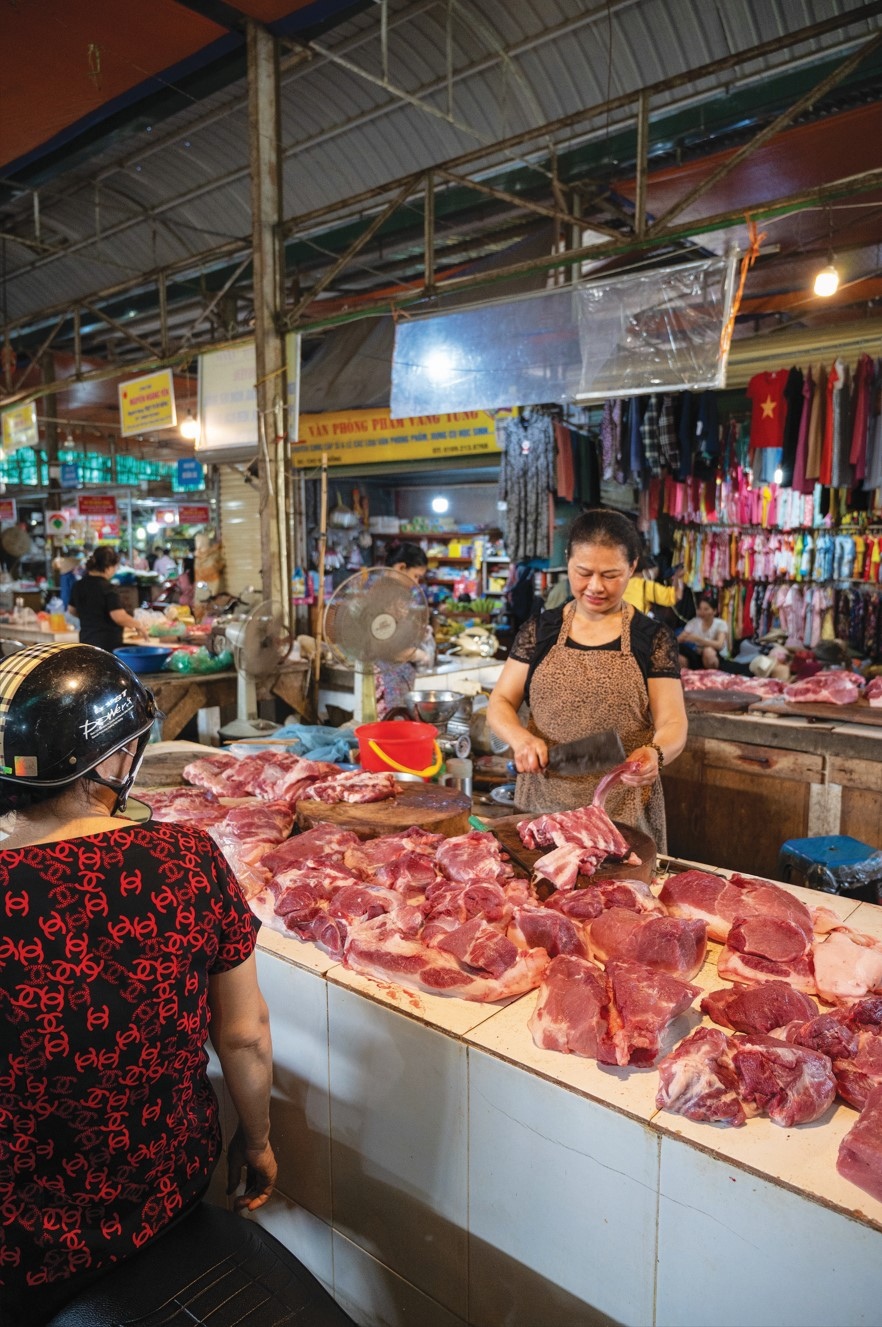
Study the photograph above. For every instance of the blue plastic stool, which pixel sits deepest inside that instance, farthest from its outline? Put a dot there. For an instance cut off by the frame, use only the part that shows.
(835, 864)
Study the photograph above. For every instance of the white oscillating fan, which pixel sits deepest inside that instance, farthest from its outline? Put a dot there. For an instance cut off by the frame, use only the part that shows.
(377, 616)
(259, 642)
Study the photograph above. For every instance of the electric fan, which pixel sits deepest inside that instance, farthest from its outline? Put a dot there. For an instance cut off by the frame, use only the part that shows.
(376, 616)
(259, 642)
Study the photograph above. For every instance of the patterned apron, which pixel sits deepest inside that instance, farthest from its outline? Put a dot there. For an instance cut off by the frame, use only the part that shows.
(574, 693)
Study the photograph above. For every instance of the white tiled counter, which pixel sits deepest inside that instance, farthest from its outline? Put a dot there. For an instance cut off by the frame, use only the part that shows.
(437, 1168)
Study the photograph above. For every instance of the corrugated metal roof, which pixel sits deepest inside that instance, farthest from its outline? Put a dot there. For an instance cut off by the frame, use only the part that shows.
(516, 66)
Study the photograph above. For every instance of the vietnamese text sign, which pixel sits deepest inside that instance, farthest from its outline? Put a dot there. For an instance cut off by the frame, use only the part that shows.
(191, 472)
(147, 403)
(356, 437)
(70, 475)
(227, 398)
(96, 504)
(194, 513)
(7, 510)
(20, 427)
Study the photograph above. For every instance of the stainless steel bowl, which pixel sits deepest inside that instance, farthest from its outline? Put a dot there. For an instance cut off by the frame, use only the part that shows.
(433, 706)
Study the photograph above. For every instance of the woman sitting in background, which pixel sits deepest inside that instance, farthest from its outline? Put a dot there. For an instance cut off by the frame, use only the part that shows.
(704, 641)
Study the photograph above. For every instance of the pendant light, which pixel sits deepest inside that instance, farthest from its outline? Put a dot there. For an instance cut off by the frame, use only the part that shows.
(827, 280)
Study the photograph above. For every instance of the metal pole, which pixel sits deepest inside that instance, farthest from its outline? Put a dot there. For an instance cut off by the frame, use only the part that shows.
(266, 214)
(642, 162)
(429, 234)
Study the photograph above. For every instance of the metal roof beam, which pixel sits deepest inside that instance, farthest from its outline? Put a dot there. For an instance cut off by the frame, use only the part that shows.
(556, 214)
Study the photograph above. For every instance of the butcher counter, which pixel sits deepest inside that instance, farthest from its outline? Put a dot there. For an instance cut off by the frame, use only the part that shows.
(748, 782)
(438, 1169)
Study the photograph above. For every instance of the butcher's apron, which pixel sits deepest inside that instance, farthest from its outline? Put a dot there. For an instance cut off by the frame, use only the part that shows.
(574, 693)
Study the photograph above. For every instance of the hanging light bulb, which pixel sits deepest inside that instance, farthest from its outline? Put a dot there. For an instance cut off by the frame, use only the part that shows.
(827, 280)
(190, 427)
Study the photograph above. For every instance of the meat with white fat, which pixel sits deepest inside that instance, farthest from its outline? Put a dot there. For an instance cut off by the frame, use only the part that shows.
(743, 1008)
(789, 1083)
(698, 1080)
(667, 944)
(860, 1152)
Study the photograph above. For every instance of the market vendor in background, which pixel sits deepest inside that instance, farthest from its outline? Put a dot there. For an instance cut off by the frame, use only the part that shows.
(704, 641)
(394, 680)
(97, 603)
(594, 664)
(165, 564)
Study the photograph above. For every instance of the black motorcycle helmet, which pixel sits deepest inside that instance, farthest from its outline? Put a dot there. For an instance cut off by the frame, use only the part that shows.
(64, 709)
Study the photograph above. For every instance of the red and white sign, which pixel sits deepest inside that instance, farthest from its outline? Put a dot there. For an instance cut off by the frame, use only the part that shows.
(96, 504)
(57, 522)
(194, 514)
(7, 510)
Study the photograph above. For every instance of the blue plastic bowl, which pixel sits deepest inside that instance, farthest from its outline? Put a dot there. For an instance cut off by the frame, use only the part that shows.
(144, 658)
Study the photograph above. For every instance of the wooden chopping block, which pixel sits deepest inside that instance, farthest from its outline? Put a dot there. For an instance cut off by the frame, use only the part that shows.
(429, 805)
(506, 830)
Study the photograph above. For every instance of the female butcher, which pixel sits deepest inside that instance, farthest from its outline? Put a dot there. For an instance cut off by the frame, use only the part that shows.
(594, 664)
(120, 942)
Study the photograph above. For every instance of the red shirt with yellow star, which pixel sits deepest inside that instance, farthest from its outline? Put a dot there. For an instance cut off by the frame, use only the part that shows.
(766, 391)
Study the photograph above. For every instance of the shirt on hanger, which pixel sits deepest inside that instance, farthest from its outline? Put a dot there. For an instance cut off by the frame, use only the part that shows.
(766, 391)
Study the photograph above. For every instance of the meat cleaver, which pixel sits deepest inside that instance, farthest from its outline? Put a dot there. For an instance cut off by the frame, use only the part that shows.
(587, 755)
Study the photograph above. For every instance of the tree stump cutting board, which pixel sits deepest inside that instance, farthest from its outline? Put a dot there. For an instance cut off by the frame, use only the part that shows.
(429, 805)
(506, 830)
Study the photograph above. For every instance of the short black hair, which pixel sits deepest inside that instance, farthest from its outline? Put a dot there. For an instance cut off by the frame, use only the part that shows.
(601, 525)
(410, 554)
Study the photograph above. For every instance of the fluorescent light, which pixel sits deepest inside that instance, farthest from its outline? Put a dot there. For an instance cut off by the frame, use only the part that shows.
(827, 281)
(440, 505)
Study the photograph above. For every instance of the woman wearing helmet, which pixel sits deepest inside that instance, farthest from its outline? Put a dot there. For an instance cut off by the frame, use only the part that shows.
(120, 942)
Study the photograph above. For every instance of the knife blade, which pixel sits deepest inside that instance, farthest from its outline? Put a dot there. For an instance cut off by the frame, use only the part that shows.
(587, 755)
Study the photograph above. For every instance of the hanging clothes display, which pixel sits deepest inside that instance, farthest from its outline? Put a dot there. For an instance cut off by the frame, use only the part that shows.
(526, 479)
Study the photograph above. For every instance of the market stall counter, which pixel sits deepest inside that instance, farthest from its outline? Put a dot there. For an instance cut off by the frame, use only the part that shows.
(181, 696)
(440, 1168)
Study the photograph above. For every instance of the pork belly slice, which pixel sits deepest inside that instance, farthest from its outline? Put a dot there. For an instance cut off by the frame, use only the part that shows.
(187, 806)
(668, 944)
(698, 1080)
(208, 771)
(758, 1008)
(352, 786)
(761, 949)
(572, 1012)
(860, 1152)
(790, 1083)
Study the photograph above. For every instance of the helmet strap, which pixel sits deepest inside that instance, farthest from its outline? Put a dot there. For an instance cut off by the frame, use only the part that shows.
(122, 787)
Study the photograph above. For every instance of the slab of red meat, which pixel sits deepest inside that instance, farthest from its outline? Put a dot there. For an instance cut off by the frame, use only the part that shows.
(273, 767)
(584, 904)
(587, 826)
(743, 958)
(860, 1152)
(209, 771)
(668, 944)
(353, 786)
(645, 1003)
(544, 928)
(790, 1083)
(562, 866)
(479, 945)
(873, 692)
(242, 777)
(764, 687)
(708, 679)
(298, 906)
(720, 902)
(448, 898)
(377, 949)
(385, 850)
(330, 934)
(572, 1013)
(858, 1074)
(848, 965)
(356, 903)
(828, 1033)
(758, 1008)
(265, 822)
(833, 688)
(323, 841)
(699, 1081)
(189, 806)
(472, 856)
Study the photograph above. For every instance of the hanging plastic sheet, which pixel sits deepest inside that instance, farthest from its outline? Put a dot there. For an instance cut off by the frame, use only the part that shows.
(654, 331)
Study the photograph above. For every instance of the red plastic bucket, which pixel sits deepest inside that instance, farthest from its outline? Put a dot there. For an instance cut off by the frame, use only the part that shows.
(399, 744)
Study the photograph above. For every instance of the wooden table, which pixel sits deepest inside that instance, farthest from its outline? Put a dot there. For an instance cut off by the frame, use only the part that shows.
(181, 696)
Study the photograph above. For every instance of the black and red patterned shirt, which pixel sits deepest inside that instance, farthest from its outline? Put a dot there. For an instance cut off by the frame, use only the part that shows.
(108, 1123)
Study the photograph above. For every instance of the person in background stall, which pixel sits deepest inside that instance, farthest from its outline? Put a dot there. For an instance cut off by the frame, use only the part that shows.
(644, 590)
(394, 680)
(588, 666)
(139, 561)
(66, 564)
(97, 603)
(185, 584)
(704, 640)
(127, 942)
(165, 565)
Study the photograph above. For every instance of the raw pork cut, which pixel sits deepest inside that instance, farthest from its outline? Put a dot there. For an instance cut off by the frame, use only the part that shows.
(721, 902)
(847, 964)
(479, 945)
(831, 688)
(645, 1003)
(699, 1081)
(668, 944)
(828, 1033)
(860, 1152)
(353, 786)
(472, 856)
(449, 898)
(209, 771)
(184, 806)
(582, 838)
(858, 1074)
(768, 949)
(246, 835)
(287, 780)
(758, 1008)
(572, 1013)
(371, 857)
(562, 866)
(792, 1084)
(584, 904)
(377, 949)
(326, 841)
(873, 692)
(543, 928)
(709, 679)
(359, 903)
